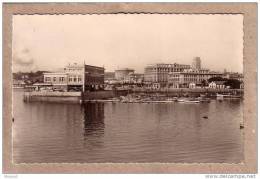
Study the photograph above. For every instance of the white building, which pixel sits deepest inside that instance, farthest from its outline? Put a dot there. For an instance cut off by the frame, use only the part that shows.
(158, 73)
(217, 84)
(57, 79)
(188, 76)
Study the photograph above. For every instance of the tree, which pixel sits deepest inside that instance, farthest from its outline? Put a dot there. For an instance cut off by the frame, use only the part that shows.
(218, 78)
(204, 83)
(233, 83)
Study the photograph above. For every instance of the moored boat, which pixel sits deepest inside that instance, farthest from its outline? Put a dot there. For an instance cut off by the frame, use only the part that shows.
(221, 96)
(188, 101)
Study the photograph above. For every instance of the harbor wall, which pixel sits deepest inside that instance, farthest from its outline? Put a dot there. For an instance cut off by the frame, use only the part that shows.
(78, 97)
(52, 96)
(188, 91)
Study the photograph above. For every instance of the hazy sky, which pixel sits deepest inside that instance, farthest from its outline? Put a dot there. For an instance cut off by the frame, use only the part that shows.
(47, 42)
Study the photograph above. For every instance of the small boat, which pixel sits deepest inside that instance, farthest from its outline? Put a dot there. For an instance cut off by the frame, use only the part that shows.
(221, 96)
(188, 101)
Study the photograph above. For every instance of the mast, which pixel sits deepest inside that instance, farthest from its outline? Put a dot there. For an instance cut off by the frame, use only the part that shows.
(83, 83)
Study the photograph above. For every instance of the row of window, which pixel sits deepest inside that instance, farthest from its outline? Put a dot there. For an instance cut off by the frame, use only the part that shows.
(54, 79)
(166, 69)
(62, 79)
(74, 79)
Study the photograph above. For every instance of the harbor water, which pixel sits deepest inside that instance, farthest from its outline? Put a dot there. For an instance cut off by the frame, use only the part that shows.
(127, 132)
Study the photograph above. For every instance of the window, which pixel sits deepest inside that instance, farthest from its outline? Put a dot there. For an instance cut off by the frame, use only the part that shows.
(75, 79)
(47, 79)
(54, 78)
(79, 79)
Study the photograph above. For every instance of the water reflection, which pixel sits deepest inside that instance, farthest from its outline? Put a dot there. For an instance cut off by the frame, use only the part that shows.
(122, 132)
(93, 119)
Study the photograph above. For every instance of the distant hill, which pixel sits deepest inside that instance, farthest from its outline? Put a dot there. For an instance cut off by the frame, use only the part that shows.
(29, 77)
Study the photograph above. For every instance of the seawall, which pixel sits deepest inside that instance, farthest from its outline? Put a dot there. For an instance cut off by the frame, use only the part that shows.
(73, 97)
(52, 96)
(79, 97)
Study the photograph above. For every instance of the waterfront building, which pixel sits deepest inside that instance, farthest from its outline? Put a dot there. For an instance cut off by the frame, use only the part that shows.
(59, 80)
(217, 84)
(94, 77)
(74, 76)
(189, 77)
(122, 74)
(158, 73)
(196, 63)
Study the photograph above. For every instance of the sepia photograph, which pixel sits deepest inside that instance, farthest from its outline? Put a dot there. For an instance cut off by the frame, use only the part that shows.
(128, 88)
(104, 88)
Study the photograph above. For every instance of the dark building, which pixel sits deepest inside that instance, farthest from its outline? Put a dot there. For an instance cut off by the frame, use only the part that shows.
(94, 77)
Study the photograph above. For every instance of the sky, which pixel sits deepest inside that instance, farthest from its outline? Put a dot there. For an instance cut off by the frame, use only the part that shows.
(50, 42)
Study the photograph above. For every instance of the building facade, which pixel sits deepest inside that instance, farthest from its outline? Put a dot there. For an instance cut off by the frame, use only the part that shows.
(217, 85)
(77, 77)
(191, 78)
(158, 73)
(58, 80)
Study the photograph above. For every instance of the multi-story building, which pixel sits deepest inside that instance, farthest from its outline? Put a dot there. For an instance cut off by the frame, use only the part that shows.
(57, 80)
(79, 77)
(94, 77)
(122, 74)
(191, 76)
(158, 73)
